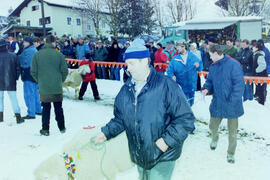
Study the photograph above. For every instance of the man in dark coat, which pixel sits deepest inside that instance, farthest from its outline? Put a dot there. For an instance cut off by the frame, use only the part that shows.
(49, 69)
(9, 74)
(226, 82)
(245, 57)
(155, 137)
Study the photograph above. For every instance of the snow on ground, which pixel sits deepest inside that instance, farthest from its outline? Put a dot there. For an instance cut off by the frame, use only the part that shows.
(22, 149)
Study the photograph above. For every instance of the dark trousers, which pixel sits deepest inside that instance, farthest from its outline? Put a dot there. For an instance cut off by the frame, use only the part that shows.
(261, 92)
(199, 86)
(93, 87)
(59, 115)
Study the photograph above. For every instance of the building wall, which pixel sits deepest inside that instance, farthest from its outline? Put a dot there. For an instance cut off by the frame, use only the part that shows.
(251, 30)
(58, 17)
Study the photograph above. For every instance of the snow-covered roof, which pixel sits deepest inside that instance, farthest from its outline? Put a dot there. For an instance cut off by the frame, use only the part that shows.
(225, 19)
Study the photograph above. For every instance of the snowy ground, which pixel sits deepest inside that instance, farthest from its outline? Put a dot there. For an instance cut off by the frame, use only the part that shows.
(22, 149)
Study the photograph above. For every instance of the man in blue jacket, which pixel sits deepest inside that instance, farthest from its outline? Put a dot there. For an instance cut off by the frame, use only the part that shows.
(30, 86)
(226, 82)
(183, 68)
(82, 49)
(153, 111)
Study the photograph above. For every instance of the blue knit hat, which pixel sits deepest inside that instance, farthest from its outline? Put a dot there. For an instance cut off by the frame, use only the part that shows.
(137, 50)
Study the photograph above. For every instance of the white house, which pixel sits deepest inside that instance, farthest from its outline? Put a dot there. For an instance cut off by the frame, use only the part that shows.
(60, 15)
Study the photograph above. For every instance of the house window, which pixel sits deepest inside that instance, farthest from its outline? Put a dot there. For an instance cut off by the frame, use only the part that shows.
(35, 8)
(88, 27)
(78, 22)
(69, 20)
(47, 20)
(27, 23)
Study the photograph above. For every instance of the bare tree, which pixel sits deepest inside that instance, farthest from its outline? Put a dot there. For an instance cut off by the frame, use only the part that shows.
(91, 10)
(181, 10)
(113, 7)
(246, 7)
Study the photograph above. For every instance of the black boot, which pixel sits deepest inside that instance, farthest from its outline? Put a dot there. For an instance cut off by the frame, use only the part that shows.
(97, 98)
(44, 132)
(19, 119)
(1, 116)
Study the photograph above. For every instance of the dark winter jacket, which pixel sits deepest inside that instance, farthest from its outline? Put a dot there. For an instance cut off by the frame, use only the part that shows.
(186, 74)
(121, 55)
(10, 70)
(25, 61)
(113, 53)
(67, 51)
(267, 58)
(100, 54)
(230, 52)
(171, 120)
(245, 57)
(49, 69)
(206, 60)
(259, 65)
(226, 82)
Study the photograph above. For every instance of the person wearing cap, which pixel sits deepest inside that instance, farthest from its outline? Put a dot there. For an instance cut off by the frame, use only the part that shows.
(30, 86)
(155, 135)
(101, 54)
(183, 69)
(49, 69)
(9, 74)
(20, 43)
(13, 46)
(122, 50)
(82, 49)
(169, 52)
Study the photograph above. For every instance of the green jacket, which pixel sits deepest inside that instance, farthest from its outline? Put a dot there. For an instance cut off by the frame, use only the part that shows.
(49, 69)
(100, 54)
(231, 51)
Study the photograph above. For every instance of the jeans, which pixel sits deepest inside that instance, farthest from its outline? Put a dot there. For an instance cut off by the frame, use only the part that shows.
(232, 127)
(31, 98)
(102, 72)
(13, 99)
(59, 115)
(112, 69)
(248, 93)
(162, 171)
(117, 73)
(84, 88)
(190, 97)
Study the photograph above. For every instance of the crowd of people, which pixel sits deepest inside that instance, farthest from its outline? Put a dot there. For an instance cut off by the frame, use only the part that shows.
(157, 137)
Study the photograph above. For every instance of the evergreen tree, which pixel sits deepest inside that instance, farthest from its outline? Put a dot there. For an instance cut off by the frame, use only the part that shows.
(134, 18)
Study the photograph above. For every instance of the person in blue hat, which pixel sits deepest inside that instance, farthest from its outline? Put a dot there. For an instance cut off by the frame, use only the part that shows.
(153, 111)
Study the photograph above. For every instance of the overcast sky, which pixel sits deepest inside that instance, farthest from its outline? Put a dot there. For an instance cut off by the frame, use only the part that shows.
(6, 4)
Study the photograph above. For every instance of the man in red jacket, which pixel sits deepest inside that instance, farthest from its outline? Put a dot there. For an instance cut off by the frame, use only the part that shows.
(89, 77)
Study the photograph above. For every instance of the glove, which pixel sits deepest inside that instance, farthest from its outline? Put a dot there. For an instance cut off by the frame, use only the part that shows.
(204, 92)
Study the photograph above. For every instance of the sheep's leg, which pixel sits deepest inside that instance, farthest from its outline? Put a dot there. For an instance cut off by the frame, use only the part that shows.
(76, 93)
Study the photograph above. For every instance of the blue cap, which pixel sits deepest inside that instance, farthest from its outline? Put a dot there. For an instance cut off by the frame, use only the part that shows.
(137, 50)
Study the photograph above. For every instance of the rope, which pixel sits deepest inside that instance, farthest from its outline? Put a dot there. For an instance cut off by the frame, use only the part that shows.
(95, 147)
